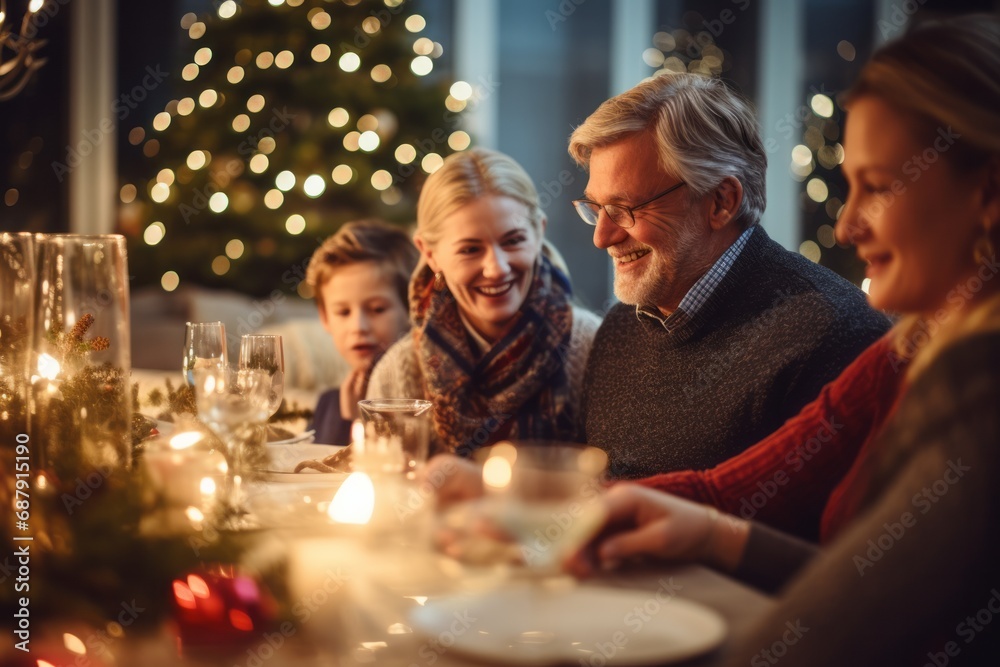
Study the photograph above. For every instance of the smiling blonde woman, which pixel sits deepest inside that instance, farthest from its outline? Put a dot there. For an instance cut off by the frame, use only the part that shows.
(497, 344)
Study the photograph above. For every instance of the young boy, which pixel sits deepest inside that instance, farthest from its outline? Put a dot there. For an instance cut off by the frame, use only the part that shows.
(360, 277)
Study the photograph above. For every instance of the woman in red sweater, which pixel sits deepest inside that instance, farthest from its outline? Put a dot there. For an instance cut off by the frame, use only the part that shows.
(796, 475)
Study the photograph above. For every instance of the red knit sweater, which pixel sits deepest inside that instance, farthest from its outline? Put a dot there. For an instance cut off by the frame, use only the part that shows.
(788, 480)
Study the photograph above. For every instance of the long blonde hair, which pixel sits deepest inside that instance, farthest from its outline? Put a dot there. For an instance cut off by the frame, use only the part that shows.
(945, 74)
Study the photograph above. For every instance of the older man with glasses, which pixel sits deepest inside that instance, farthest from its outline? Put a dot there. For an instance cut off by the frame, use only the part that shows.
(722, 334)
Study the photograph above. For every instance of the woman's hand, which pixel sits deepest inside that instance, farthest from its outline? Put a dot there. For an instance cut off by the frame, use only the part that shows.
(645, 522)
(352, 390)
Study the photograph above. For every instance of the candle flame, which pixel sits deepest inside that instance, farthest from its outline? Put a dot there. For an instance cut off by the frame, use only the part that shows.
(499, 467)
(185, 440)
(355, 500)
(73, 643)
(497, 472)
(358, 435)
(48, 367)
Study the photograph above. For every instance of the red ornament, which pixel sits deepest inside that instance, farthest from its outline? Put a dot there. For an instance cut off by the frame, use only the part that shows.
(221, 611)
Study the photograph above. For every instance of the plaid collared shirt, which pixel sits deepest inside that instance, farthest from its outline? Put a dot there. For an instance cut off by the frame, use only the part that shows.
(700, 292)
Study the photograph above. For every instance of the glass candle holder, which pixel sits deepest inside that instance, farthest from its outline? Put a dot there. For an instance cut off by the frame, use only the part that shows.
(81, 407)
(17, 310)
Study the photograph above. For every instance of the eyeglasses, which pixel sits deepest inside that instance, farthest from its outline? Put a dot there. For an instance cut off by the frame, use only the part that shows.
(623, 216)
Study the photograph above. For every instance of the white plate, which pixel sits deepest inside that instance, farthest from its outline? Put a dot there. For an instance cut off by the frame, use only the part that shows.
(284, 458)
(585, 625)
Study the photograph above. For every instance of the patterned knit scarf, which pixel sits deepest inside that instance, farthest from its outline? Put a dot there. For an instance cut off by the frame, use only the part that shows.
(517, 389)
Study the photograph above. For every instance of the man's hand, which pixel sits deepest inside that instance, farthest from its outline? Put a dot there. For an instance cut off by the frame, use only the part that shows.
(645, 522)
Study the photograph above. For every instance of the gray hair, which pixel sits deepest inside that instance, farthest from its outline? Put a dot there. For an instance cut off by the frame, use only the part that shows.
(704, 132)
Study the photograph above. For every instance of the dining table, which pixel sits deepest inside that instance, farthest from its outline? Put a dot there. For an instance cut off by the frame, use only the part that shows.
(409, 635)
(655, 587)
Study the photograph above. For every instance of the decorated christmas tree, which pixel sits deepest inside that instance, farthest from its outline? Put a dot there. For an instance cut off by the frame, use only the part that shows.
(290, 118)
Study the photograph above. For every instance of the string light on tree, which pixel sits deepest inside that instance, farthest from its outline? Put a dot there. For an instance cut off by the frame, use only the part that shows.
(325, 116)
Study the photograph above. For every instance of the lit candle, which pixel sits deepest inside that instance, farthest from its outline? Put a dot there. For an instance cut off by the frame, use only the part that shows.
(358, 437)
(186, 474)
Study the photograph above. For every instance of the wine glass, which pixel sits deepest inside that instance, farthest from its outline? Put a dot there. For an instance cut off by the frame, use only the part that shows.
(234, 406)
(260, 352)
(544, 496)
(204, 346)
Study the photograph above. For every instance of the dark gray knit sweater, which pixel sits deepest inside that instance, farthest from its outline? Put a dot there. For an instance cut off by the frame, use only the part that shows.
(776, 329)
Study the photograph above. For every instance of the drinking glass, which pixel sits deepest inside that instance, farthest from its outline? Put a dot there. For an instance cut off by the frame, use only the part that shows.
(407, 419)
(204, 346)
(264, 353)
(234, 405)
(545, 496)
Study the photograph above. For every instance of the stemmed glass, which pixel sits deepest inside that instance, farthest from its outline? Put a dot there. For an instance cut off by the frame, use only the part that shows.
(234, 405)
(204, 347)
(264, 353)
